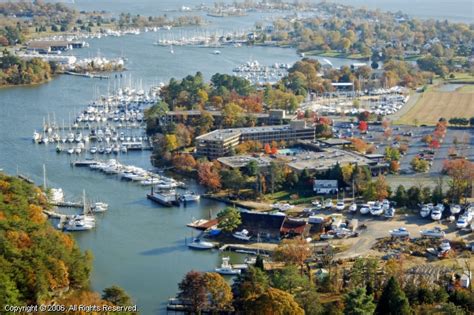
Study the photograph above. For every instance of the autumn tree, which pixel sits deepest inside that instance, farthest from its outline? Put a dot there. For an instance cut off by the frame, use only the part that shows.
(219, 292)
(381, 188)
(209, 176)
(184, 162)
(359, 145)
(193, 290)
(229, 219)
(293, 251)
(461, 175)
(274, 301)
(248, 287)
(183, 136)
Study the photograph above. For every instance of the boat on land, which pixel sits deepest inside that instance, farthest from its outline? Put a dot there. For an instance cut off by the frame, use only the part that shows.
(436, 214)
(400, 232)
(340, 205)
(197, 243)
(364, 209)
(436, 232)
(426, 210)
(353, 207)
(226, 268)
(455, 209)
(242, 235)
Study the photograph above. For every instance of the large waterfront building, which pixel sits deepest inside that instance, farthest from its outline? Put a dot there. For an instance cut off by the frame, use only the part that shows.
(187, 117)
(221, 142)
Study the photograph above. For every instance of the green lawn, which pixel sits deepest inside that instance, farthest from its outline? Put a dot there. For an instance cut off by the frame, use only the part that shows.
(335, 54)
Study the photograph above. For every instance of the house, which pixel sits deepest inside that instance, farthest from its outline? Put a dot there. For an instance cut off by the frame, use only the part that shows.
(322, 186)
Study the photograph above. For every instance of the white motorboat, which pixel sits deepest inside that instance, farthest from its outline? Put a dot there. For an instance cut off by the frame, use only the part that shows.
(190, 196)
(436, 214)
(376, 209)
(328, 204)
(389, 213)
(385, 204)
(36, 137)
(242, 235)
(440, 207)
(462, 222)
(353, 207)
(455, 209)
(436, 232)
(79, 223)
(340, 205)
(100, 207)
(56, 195)
(445, 246)
(199, 244)
(226, 268)
(426, 210)
(400, 232)
(216, 52)
(70, 150)
(364, 209)
(93, 150)
(316, 204)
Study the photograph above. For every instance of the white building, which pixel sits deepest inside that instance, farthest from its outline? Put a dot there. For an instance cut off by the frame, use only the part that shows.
(322, 186)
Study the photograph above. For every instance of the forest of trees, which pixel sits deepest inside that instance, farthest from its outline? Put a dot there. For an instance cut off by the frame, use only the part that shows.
(14, 71)
(40, 265)
(314, 283)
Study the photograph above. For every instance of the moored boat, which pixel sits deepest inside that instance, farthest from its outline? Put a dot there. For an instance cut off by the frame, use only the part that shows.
(197, 243)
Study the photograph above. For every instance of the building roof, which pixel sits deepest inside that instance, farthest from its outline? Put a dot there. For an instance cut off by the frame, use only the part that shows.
(334, 141)
(292, 226)
(223, 134)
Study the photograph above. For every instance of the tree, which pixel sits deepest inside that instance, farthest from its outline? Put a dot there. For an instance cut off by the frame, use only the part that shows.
(229, 219)
(209, 176)
(419, 165)
(288, 279)
(248, 286)
(401, 197)
(381, 188)
(170, 142)
(219, 292)
(183, 136)
(461, 174)
(232, 179)
(193, 290)
(392, 154)
(347, 172)
(275, 302)
(252, 168)
(293, 251)
(276, 175)
(357, 302)
(116, 295)
(393, 301)
(363, 126)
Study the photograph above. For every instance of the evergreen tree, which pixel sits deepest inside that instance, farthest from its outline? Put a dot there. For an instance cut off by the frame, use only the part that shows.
(358, 302)
(401, 197)
(393, 300)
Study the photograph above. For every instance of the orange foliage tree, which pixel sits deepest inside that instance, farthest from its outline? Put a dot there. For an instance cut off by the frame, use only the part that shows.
(208, 175)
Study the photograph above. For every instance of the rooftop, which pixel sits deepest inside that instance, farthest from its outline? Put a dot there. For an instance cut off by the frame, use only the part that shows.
(223, 134)
(300, 160)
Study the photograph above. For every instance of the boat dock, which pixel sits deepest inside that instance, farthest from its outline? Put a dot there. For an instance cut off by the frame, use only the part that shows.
(68, 204)
(63, 218)
(84, 162)
(251, 249)
(87, 75)
(164, 200)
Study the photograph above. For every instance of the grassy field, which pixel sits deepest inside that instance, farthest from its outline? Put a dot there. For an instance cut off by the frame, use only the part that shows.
(335, 54)
(433, 105)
